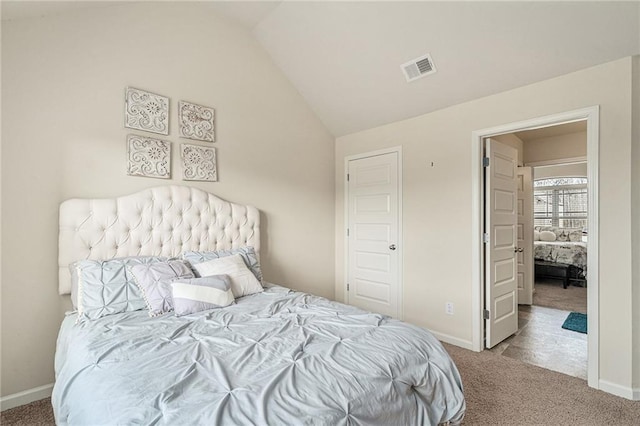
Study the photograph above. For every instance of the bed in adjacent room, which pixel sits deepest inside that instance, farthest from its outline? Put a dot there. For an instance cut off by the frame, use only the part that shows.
(562, 246)
(175, 325)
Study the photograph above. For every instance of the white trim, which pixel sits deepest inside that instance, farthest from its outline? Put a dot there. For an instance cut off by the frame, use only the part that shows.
(477, 249)
(621, 391)
(400, 245)
(593, 246)
(591, 115)
(465, 344)
(25, 397)
(568, 160)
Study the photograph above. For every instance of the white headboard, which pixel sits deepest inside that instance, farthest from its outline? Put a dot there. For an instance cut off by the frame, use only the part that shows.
(161, 221)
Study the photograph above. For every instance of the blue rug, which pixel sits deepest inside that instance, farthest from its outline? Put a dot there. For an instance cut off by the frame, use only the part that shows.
(576, 322)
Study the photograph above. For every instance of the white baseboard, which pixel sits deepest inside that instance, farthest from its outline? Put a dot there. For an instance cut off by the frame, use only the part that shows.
(25, 397)
(618, 390)
(465, 344)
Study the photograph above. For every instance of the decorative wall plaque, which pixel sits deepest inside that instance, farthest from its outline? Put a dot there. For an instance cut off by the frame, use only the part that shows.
(196, 121)
(148, 157)
(146, 111)
(199, 163)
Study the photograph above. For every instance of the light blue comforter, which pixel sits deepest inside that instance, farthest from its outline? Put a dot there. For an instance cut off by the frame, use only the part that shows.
(275, 358)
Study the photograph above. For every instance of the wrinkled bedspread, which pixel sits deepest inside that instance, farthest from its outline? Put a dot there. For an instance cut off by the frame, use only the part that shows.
(275, 358)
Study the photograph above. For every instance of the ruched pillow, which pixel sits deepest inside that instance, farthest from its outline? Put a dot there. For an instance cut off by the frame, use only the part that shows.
(108, 287)
(154, 281)
(248, 254)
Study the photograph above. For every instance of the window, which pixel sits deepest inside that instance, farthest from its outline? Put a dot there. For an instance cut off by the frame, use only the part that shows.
(560, 202)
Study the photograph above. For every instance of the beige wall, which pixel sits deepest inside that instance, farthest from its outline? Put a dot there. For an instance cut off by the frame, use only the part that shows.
(571, 145)
(63, 81)
(437, 211)
(560, 170)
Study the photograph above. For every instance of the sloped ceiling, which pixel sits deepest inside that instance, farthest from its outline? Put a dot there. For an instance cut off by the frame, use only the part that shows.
(345, 57)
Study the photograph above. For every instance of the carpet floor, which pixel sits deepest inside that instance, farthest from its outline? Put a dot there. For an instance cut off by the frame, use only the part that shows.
(498, 391)
(549, 293)
(504, 391)
(37, 413)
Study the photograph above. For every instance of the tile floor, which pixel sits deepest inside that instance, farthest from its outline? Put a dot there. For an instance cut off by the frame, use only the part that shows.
(541, 340)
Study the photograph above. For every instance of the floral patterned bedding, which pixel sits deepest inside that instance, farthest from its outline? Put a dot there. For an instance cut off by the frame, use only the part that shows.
(566, 252)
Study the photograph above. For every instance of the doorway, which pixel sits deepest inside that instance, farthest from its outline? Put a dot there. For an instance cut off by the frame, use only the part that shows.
(590, 115)
(552, 202)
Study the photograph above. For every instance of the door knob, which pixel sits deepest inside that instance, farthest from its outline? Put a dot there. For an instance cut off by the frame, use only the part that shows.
(518, 250)
(392, 247)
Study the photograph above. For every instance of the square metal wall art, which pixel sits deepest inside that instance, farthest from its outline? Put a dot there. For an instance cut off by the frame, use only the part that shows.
(146, 111)
(199, 163)
(148, 157)
(196, 121)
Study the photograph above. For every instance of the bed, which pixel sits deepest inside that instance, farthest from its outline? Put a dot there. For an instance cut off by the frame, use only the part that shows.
(275, 356)
(563, 246)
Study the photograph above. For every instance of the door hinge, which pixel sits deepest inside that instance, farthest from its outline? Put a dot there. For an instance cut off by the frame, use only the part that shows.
(485, 314)
(485, 238)
(485, 161)
(347, 232)
(347, 177)
(347, 286)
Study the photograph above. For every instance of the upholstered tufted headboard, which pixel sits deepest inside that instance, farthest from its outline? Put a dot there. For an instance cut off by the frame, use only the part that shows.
(161, 221)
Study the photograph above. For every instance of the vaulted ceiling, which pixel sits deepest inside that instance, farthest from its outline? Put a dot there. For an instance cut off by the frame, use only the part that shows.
(345, 57)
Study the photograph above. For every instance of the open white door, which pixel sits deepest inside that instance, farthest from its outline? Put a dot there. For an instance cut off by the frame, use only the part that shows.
(501, 195)
(525, 236)
(373, 225)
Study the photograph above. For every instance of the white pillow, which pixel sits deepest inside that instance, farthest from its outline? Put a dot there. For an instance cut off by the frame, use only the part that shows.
(536, 235)
(547, 236)
(243, 282)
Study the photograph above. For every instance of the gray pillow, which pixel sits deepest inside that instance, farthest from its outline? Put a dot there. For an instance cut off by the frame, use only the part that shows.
(154, 280)
(248, 254)
(107, 287)
(201, 294)
(575, 235)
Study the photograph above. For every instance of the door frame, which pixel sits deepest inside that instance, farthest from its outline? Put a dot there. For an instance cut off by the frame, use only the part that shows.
(591, 116)
(400, 243)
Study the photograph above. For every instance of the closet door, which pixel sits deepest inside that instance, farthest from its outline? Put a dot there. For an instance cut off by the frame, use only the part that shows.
(373, 234)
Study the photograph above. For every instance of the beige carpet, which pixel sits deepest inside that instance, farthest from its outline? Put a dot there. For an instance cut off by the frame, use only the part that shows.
(498, 391)
(550, 294)
(504, 391)
(36, 413)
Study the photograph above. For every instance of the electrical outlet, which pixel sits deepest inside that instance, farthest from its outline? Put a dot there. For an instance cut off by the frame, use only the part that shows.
(448, 308)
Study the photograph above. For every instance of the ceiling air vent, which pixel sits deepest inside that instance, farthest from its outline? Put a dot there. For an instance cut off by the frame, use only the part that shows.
(418, 68)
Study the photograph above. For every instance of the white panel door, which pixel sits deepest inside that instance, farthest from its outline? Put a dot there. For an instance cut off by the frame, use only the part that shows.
(373, 233)
(501, 197)
(524, 254)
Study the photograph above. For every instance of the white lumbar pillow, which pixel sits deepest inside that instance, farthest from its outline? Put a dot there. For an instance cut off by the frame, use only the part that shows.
(243, 282)
(536, 235)
(547, 236)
